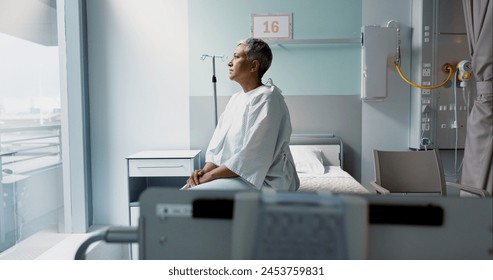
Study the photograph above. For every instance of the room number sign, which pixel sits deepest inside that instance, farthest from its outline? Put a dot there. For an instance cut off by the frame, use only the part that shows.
(272, 26)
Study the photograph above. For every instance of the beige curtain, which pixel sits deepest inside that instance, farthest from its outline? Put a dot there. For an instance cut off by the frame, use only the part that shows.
(477, 168)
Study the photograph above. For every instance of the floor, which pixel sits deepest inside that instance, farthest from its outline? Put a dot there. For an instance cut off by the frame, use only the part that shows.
(59, 246)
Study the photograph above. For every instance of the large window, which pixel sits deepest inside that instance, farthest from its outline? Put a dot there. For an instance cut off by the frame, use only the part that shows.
(31, 194)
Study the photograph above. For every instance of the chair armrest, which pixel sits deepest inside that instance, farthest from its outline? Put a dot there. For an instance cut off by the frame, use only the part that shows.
(469, 189)
(379, 189)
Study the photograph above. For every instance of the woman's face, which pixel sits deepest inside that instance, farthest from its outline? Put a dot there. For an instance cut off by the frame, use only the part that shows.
(239, 66)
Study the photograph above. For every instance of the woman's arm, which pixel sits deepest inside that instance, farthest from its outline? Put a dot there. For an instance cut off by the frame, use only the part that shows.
(208, 173)
(217, 173)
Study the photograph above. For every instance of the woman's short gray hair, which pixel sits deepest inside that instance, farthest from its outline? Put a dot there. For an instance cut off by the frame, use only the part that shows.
(257, 49)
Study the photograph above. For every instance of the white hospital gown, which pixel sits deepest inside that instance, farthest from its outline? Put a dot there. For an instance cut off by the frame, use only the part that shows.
(252, 139)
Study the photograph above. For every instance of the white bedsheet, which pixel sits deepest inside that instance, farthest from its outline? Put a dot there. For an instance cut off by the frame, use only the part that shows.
(334, 180)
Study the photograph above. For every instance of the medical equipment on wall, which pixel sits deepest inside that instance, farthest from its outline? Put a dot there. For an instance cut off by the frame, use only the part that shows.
(446, 68)
(378, 46)
(214, 79)
(381, 48)
(439, 68)
(464, 69)
(439, 44)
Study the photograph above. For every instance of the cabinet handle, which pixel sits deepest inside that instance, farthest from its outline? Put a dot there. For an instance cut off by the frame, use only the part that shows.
(170, 166)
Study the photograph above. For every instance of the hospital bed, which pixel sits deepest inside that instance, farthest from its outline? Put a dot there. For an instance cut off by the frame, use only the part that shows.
(319, 162)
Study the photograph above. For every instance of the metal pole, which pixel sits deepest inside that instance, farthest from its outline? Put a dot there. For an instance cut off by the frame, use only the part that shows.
(214, 79)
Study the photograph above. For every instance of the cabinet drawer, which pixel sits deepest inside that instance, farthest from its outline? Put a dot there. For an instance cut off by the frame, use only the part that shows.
(159, 167)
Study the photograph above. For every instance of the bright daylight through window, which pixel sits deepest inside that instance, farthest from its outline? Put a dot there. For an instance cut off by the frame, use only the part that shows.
(31, 200)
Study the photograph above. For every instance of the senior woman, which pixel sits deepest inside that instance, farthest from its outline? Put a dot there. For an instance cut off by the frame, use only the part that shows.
(250, 145)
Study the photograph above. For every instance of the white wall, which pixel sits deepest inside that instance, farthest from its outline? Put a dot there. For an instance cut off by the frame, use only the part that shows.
(139, 93)
(385, 124)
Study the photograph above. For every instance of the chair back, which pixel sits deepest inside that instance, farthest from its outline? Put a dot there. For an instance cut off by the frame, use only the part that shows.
(409, 171)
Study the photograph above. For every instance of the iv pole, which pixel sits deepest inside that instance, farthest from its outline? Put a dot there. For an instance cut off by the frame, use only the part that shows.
(214, 80)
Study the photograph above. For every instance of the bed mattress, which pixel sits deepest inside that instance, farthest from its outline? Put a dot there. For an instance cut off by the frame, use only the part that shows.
(334, 180)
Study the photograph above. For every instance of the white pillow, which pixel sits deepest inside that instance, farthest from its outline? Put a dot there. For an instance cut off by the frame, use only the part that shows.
(307, 159)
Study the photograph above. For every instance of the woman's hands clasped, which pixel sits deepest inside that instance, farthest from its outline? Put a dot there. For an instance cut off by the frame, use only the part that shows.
(195, 178)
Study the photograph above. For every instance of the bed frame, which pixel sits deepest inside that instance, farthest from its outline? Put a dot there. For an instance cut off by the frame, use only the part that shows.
(331, 146)
(335, 181)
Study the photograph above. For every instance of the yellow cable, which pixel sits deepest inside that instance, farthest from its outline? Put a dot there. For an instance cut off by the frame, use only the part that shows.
(447, 67)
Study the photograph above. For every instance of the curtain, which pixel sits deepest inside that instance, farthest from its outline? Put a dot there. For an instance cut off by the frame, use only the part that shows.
(477, 170)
